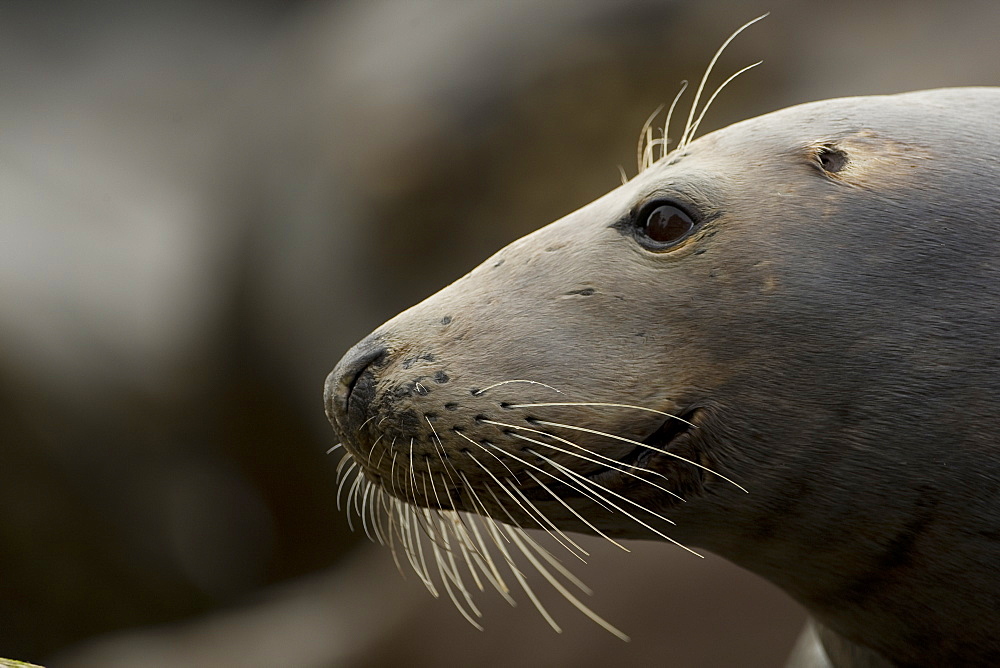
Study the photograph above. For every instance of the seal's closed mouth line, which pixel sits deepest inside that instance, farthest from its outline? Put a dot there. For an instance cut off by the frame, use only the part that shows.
(660, 439)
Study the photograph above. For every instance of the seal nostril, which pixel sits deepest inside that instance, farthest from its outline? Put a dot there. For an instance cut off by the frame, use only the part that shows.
(346, 386)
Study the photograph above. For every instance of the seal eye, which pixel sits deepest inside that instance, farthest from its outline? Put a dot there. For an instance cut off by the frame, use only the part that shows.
(665, 224)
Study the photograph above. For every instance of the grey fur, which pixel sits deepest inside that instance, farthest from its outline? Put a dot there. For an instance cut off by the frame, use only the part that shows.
(832, 330)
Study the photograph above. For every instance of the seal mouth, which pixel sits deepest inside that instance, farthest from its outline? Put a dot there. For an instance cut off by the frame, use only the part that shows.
(633, 464)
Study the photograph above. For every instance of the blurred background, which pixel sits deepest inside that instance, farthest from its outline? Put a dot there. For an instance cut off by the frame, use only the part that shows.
(204, 204)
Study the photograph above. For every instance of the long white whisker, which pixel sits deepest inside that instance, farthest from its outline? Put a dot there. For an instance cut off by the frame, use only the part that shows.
(371, 451)
(576, 485)
(364, 512)
(486, 389)
(544, 520)
(550, 523)
(619, 466)
(446, 579)
(450, 555)
(495, 579)
(351, 494)
(442, 454)
(344, 478)
(608, 405)
(604, 458)
(711, 99)
(670, 115)
(685, 137)
(620, 509)
(640, 149)
(643, 445)
(568, 595)
(578, 515)
(494, 527)
(484, 449)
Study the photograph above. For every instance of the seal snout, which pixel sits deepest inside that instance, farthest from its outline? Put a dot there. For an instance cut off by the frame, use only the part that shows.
(350, 387)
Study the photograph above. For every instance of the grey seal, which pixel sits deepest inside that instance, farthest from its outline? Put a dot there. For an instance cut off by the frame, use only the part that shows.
(780, 342)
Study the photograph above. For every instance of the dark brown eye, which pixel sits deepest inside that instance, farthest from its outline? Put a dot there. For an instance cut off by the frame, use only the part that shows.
(666, 224)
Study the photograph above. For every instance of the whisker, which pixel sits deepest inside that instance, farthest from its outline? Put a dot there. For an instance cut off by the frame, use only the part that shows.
(459, 583)
(640, 149)
(568, 595)
(413, 475)
(371, 452)
(468, 550)
(619, 508)
(392, 474)
(494, 527)
(554, 562)
(582, 489)
(558, 531)
(364, 512)
(483, 390)
(344, 479)
(386, 513)
(351, 493)
(670, 115)
(644, 445)
(482, 447)
(442, 454)
(422, 571)
(604, 458)
(617, 467)
(348, 458)
(445, 580)
(595, 487)
(544, 520)
(711, 99)
(609, 405)
(496, 580)
(686, 136)
(578, 515)
(339, 445)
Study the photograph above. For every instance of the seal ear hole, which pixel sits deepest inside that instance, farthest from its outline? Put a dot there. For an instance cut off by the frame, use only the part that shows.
(831, 159)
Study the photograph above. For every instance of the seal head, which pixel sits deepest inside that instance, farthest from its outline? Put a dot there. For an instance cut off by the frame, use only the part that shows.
(782, 338)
